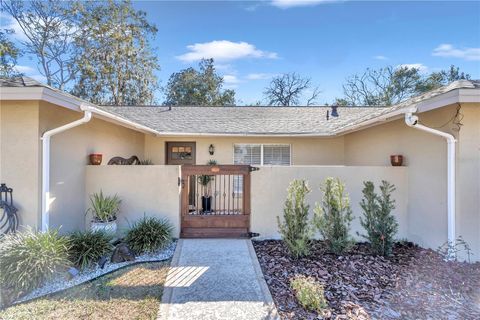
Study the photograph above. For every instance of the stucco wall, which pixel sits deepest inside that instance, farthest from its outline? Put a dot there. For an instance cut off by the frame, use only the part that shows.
(150, 190)
(468, 178)
(269, 190)
(19, 156)
(305, 151)
(69, 158)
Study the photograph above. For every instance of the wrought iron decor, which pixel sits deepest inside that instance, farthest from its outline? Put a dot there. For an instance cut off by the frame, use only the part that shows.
(9, 217)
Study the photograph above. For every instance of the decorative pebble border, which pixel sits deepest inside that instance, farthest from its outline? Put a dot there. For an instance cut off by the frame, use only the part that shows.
(60, 284)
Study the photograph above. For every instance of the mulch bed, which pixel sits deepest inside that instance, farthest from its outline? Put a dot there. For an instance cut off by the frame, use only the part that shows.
(414, 283)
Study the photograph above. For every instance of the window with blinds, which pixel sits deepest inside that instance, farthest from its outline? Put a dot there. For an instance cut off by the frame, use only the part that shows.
(262, 154)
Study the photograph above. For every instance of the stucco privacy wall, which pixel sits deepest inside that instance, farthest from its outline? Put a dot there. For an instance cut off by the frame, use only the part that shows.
(19, 156)
(149, 190)
(69, 159)
(269, 190)
(305, 151)
(426, 159)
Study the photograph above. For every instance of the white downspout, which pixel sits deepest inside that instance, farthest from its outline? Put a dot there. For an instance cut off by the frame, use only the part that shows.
(46, 165)
(412, 121)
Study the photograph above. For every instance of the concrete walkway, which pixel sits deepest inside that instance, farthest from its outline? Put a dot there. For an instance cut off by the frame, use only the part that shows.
(216, 279)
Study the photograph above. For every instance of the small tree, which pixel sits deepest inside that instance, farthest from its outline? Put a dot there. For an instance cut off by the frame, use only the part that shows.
(333, 216)
(378, 221)
(295, 229)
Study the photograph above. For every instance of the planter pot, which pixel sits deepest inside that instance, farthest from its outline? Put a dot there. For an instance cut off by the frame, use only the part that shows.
(396, 160)
(95, 159)
(206, 204)
(107, 227)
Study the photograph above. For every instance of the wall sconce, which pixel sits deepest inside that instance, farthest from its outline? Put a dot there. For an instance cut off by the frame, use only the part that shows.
(211, 149)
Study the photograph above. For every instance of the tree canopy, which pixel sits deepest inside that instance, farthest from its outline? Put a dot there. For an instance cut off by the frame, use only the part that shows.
(390, 85)
(198, 87)
(9, 53)
(288, 90)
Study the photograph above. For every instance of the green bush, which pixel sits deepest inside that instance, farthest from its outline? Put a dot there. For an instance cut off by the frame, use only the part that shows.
(104, 208)
(334, 215)
(88, 247)
(28, 259)
(149, 234)
(295, 229)
(378, 220)
(309, 293)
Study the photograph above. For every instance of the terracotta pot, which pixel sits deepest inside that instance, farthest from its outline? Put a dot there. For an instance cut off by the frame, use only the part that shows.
(96, 159)
(396, 160)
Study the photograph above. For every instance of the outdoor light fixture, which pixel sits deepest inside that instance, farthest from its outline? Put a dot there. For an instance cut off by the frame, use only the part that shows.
(211, 149)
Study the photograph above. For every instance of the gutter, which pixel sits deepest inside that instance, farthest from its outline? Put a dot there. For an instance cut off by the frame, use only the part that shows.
(412, 121)
(87, 116)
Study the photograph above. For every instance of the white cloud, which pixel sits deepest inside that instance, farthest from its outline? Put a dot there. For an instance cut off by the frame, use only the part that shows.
(39, 78)
(7, 22)
(285, 4)
(231, 79)
(448, 50)
(259, 76)
(25, 69)
(224, 50)
(419, 66)
(380, 57)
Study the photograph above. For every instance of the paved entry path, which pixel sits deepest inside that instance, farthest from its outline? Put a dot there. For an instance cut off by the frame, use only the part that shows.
(216, 279)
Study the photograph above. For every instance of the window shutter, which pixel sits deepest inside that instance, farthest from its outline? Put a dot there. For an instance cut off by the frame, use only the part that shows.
(276, 154)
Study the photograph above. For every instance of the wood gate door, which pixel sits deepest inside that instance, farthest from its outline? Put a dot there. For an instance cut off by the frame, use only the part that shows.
(221, 201)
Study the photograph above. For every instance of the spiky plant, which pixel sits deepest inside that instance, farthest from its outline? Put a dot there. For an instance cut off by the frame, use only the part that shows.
(28, 259)
(88, 247)
(104, 208)
(149, 234)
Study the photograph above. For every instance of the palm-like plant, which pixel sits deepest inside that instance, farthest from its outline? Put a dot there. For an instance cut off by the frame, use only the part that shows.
(104, 208)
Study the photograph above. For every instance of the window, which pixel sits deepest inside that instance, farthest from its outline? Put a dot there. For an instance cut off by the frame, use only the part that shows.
(262, 154)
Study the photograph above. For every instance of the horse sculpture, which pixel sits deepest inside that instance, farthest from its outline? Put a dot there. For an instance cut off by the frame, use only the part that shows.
(123, 161)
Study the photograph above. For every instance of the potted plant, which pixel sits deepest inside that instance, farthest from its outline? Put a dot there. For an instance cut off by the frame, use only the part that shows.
(204, 181)
(104, 211)
(95, 159)
(396, 160)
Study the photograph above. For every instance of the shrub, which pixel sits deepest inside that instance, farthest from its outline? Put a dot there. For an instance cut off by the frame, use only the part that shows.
(333, 216)
(309, 293)
(145, 162)
(28, 259)
(378, 220)
(104, 208)
(149, 234)
(88, 247)
(295, 229)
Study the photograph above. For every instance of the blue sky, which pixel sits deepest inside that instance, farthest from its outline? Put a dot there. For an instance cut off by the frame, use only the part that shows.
(324, 40)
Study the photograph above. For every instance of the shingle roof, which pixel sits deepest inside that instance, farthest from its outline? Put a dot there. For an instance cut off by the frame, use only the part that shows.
(242, 120)
(250, 120)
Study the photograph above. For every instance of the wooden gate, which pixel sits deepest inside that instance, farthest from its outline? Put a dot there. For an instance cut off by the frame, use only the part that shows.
(215, 201)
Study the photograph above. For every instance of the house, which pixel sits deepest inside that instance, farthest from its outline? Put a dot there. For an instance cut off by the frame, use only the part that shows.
(46, 136)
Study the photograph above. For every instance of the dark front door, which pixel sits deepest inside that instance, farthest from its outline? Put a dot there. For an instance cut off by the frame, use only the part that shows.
(180, 153)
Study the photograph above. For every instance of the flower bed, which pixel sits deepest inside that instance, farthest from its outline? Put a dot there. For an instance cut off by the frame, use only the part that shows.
(414, 283)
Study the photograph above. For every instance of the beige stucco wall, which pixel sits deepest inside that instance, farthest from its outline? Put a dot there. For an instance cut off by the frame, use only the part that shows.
(305, 151)
(69, 158)
(468, 182)
(150, 190)
(19, 156)
(269, 190)
(426, 158)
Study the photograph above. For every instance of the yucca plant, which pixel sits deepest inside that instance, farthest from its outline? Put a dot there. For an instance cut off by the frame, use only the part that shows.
(149, 234)
(88, 247)
(28, 259)
(104, 208)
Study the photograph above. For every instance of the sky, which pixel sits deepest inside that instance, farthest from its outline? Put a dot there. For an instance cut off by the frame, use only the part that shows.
(325, 40)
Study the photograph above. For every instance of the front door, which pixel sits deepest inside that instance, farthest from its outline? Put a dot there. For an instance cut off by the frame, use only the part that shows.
(182, 153)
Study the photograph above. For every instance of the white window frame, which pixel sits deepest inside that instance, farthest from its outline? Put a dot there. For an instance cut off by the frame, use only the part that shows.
(261, 151)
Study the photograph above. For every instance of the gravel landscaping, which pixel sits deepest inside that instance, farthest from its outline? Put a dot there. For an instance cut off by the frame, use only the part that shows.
(414, 283)
(59, 284)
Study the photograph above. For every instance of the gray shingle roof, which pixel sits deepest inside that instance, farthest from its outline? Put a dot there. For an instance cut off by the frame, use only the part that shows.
(242, 120)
